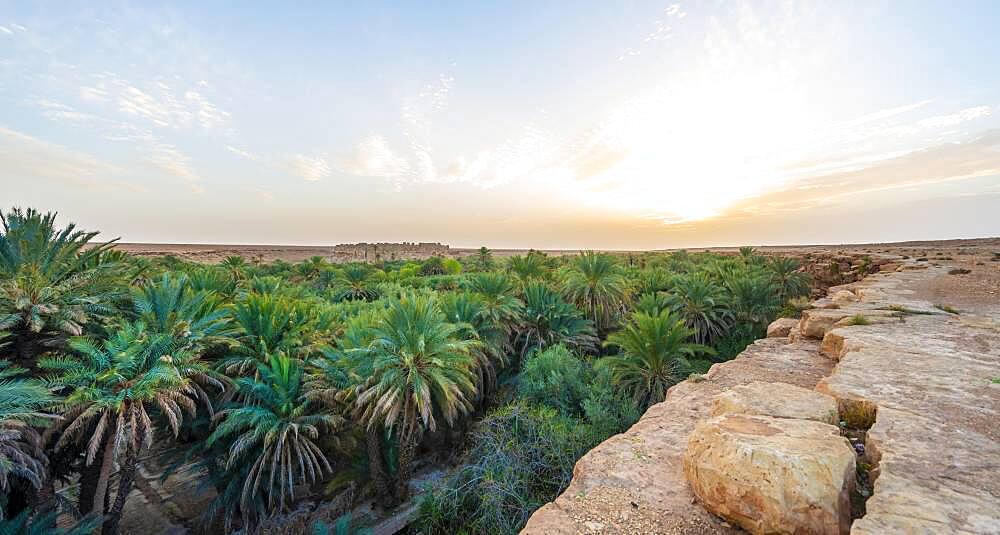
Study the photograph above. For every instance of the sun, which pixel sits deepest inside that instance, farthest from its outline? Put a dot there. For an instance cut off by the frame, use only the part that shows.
(690, 151)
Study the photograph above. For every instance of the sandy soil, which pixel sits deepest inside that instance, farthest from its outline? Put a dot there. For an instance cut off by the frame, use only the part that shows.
(964, 250)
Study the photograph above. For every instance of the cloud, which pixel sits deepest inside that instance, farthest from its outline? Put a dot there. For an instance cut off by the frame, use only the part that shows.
(372, 157)
(947, 162)
(170, 160)
(942, 121)
(157, 102)
(311, 168)
(242, 153)
(57, 111)
(25, 158)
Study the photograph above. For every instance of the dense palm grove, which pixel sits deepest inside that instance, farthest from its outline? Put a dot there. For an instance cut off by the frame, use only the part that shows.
(282, 381)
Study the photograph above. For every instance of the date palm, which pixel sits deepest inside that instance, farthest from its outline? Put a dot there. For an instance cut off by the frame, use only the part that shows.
(653, 355)
(755, 298)
(789, 279)
(116, 385)
(268, 324)
(271, 434)
(190, 317)
(355, 282)
(702, 305)
(52, 285)
(549, 320)
(23, 407)
(527, 268)
(595, 284)
(422, 371)
(484, 259)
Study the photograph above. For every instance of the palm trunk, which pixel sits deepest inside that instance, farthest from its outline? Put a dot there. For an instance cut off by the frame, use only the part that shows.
(376, 467)
(126, 477)
(104, 477)
(407, 447)
(89, 477)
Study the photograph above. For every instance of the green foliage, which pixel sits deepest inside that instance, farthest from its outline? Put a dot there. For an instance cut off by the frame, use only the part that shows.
(521, 457)
(45, 524)
(51, 285)
(23, 403)
(272, 437)
(319, 366)
(654, 355)
(548, 320)
(594, 282)
(703, 306)
(858, 319)
(554, 378)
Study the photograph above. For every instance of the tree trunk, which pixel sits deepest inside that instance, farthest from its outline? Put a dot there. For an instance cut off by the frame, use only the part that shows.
(376, 466)
(89, 476)
(24, 345)
(126, 477)
(407, 447)
(104, 476)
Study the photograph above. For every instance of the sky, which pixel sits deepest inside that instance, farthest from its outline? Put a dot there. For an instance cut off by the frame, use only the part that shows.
(583, 124)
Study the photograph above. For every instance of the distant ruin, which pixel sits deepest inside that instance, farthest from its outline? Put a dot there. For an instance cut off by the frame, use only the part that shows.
(375, 252)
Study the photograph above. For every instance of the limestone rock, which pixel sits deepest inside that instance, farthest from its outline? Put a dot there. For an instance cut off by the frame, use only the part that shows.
(772, 475)
(779, 400)
(781, 327)
(844, 296)
(816, 322)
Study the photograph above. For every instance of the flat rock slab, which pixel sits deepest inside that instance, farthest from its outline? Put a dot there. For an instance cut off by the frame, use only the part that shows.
(779, 400)
(935, 443)
(773, 475)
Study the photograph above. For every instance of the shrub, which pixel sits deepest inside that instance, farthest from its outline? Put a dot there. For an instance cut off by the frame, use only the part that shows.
(521, 457)
(554, 378)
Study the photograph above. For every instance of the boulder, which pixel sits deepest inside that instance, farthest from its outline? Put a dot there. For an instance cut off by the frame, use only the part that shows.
(781, 327)
(815, 322)
(772, 475)
(780, 400)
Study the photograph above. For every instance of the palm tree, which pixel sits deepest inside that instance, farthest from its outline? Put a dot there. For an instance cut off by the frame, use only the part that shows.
(52, 286)
(116, 385)
(23, 403)
(422, 370)
(548, 320)
(355, 283)
(484, 259)
(703, 306)
(170, 306)
(272, 436)
(527, 268)
(501, 314)
(654, 353)
(755, 298)
(268, 324)
(594, 282)
(236, 266)
(466, 311)
(652, 303)
(790, 280)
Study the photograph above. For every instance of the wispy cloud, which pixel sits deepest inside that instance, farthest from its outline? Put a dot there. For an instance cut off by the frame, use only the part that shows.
(662, 30)
(243, 153)
(311, 168)
(372, 157)
(26, 158)
(170, 160)
(978, 157)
